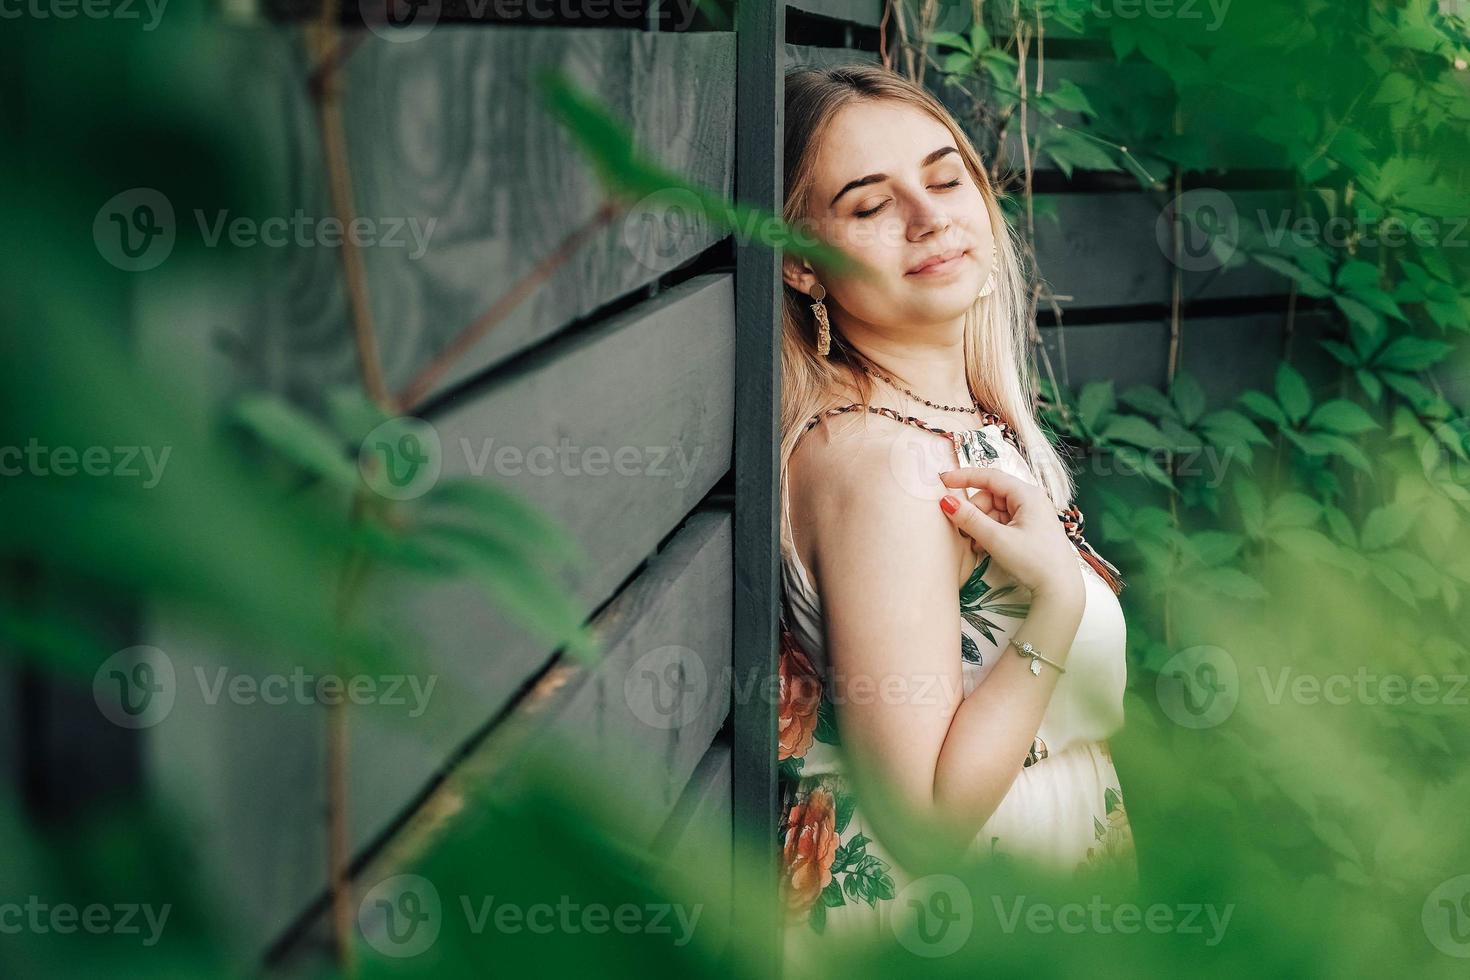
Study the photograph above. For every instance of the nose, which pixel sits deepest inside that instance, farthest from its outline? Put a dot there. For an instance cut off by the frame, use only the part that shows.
(927, 219)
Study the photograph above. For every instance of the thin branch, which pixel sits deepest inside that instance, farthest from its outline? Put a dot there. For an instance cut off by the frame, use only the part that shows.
(339, 183)
(416, 390)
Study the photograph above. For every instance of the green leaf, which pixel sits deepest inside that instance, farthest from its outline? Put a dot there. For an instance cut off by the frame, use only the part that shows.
(1136, 430)
(1308, 545)
(1372, 387)
(1347, 449)
(1341, 416)
(1395, 583)
(626, 174)
(1417, 393)
(1150, 400)
(1293, 509)
(1412, 354)
(1070, 148)
(1342, 352)
(1216, 547)
(1309, 284)
(1069, 97)
(1093, 401)
(1386, 525)
(950, 39)
(1232, 423)
(1361, 315)
(1263, 406)
(298, 437)
(832, 895)
(1395, 87)
(1189, 396)
(1292, 392)
(846, 806)
(1437, 200)
(1232, 582)
(1357, 275)
(826, 730)
(494, 510)
(524, 590)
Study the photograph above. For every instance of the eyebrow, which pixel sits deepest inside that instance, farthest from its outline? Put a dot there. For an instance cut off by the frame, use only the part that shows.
(938, 154)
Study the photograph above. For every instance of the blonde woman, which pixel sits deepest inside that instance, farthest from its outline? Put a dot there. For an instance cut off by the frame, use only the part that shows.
(955, 653)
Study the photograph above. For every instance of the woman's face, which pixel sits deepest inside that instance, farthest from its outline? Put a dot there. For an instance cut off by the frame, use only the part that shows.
(891, 190)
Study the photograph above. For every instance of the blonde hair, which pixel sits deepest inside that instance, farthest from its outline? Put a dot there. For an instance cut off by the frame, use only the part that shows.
(997, 367)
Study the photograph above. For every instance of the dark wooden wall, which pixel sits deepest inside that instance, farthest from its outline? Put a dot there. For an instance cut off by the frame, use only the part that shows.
(641, 340)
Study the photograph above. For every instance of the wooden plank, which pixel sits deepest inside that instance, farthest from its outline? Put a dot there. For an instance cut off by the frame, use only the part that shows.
(1127, 353)
(641, 719)
(657, 378)
(1111, 250)
(450, 130)
(1225, 354)
(575, 711)
(698, 834)
(702, 818)
(866, 12)
(810, 55)
(760, 101)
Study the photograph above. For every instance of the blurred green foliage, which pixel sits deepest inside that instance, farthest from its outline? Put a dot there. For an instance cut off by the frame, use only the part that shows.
(1296, 630)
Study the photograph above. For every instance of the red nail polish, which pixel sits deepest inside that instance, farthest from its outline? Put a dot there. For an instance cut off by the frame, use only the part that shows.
(949, 504)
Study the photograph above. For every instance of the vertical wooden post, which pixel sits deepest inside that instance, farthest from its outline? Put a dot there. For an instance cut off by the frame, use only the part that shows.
(759, 101)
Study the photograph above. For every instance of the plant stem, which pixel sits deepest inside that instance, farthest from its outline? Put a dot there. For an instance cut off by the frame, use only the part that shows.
(412, 394)
(329, 54)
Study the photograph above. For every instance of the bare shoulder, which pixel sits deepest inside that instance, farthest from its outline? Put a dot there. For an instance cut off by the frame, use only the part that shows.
(854, 498)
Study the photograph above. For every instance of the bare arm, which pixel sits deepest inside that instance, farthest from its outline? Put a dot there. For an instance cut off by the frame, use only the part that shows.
(887, 561)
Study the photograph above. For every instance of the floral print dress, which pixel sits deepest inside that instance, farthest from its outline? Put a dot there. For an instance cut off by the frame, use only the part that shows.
(1065, 810)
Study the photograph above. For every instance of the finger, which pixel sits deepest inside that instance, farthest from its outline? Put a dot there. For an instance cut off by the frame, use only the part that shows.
(1006, 490)
(970, 520)
(985, 500)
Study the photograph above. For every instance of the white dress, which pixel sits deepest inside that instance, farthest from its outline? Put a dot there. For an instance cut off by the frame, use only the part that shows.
(1065, 809)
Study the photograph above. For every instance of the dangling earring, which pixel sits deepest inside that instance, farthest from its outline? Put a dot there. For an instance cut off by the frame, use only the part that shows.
(989, 286)
(824, 329)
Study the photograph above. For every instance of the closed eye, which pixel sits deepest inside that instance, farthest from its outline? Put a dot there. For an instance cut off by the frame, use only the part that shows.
(872, 211)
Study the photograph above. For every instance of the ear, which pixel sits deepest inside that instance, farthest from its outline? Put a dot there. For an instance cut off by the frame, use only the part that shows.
(798, 274)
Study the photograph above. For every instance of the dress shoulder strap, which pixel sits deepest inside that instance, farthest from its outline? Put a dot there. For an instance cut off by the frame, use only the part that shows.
(986, 418)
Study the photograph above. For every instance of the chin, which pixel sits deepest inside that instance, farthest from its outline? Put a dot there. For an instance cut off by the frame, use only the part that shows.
(948, 299)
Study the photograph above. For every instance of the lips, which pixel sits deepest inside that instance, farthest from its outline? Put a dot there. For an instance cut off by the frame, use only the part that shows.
(938, 258)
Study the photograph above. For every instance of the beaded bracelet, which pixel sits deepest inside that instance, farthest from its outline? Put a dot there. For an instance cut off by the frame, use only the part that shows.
(1025, 649)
